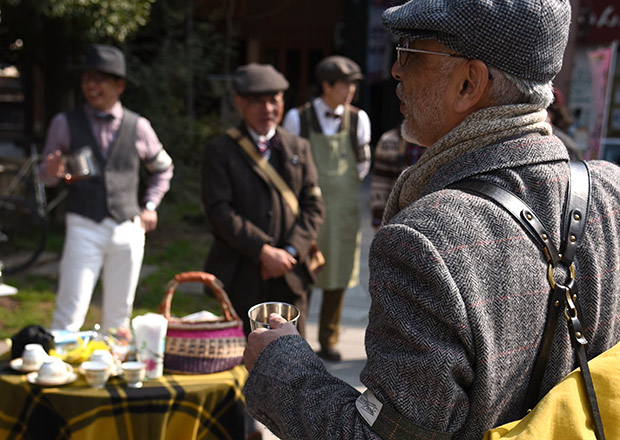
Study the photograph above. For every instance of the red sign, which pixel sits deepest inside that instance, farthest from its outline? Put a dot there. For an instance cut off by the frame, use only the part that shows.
(599, 21)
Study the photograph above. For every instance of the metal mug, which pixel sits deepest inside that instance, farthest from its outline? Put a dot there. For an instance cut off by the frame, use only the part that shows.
(259, 314)
(80, 164)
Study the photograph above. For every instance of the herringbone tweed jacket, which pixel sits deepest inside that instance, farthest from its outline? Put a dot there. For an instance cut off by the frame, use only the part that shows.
(459, 299)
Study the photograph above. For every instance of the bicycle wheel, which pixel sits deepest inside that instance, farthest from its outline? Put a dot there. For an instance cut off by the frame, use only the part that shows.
(23, 233)
(11, 186)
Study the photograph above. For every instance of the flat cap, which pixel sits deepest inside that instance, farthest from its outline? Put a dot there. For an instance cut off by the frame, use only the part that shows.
(524, 38)
(337, 68)
(257, 79)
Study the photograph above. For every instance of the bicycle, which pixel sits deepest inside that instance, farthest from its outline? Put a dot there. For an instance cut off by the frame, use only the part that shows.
(23, 212)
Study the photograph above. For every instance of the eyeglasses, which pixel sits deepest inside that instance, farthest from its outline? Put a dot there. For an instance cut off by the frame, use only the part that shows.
(401, 53)
(402, 50)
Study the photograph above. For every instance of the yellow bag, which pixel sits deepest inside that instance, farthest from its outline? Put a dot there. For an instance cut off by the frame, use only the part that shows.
(560, 415)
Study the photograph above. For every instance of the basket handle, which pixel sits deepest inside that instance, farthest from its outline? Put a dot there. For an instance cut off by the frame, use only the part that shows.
(206, 278)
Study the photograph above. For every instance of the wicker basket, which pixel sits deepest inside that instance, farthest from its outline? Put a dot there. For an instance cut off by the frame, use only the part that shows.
(206, 346)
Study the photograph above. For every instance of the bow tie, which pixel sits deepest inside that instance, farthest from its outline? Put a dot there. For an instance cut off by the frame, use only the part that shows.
(329, 114)
(107, 117)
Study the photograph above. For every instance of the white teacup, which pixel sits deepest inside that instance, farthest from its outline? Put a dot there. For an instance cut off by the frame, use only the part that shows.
(133, 373)
(96, 373)
(103, 356)
(54, 370)
(33, 356)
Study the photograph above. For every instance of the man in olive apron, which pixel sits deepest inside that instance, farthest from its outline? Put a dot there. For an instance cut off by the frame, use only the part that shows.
(339, 136)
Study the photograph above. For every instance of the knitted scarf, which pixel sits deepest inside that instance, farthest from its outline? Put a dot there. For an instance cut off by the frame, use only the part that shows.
(477, 130)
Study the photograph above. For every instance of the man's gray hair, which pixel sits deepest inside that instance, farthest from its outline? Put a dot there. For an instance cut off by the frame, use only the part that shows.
(508, 89)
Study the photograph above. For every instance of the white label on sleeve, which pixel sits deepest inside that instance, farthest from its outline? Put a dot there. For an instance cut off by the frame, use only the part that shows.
(368, 406)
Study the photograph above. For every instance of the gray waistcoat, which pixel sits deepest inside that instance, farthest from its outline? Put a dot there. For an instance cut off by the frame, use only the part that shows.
(113, 193)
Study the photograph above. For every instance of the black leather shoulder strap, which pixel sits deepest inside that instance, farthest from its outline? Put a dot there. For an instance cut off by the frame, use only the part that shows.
(573, 225)
(576, 210)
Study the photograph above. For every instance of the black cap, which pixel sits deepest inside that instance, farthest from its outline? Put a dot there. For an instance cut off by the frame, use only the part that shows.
(338, 68)
(258, 79)
(106, 59)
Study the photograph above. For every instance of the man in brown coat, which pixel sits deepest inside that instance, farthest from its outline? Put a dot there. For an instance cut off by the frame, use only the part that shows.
(261, 247)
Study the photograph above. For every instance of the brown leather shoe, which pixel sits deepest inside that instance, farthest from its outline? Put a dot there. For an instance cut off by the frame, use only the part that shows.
(330, 354)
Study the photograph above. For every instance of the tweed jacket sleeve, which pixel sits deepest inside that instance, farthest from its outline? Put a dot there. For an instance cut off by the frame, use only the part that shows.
(296, 397)
(459, 300)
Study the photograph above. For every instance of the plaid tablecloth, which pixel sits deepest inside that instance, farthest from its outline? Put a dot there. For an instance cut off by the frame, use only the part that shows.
(184, 407)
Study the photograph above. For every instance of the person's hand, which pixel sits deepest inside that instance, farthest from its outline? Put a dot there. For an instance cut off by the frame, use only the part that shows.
(123, 333)
(261, 337)
(54, 165)
(148, 219)
(275, 262)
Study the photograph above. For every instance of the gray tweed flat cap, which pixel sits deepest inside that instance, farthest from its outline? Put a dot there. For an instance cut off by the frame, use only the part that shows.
(338, 68)
(258, 79)
(525, 38)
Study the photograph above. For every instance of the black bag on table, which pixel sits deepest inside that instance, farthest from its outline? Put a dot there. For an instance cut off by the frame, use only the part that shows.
(32, 334)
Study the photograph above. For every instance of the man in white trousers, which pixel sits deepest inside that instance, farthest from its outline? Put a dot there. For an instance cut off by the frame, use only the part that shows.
(106, 220)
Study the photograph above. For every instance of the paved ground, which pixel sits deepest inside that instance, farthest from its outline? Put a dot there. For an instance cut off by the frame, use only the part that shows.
(355, 315)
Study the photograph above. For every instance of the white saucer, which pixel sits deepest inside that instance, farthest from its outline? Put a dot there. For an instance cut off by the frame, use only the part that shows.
(17, 365)
(33, 378)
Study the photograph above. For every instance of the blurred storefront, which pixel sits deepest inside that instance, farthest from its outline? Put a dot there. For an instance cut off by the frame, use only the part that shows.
(594, 94)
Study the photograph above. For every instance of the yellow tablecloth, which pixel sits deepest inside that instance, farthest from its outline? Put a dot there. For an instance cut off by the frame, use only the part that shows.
(184, 407)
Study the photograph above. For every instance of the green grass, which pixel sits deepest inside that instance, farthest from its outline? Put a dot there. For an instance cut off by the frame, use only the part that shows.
(180, 244)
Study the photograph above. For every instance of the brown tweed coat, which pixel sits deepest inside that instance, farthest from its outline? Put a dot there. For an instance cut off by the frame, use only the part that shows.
(459, 296)
(245, 211)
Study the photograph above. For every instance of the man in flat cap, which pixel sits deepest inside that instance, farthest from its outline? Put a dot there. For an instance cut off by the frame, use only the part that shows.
(339, 136)
(459, 290)
(106, 218)
(261, 245)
